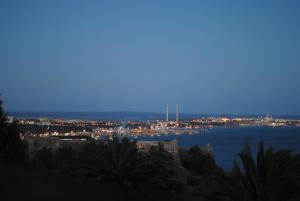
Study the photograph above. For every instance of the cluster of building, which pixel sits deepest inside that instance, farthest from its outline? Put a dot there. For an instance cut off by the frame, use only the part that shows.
(97, 129)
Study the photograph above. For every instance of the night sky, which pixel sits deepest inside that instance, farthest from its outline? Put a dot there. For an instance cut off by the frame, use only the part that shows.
(235, 57)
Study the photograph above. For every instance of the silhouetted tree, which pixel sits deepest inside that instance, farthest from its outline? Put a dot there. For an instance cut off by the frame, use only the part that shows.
(274, 176)
(12, 148)
(86, 160)
(44, 159)
(162, 163)
(64, 156)
(199, 167)
(124, 172)
(197, 161)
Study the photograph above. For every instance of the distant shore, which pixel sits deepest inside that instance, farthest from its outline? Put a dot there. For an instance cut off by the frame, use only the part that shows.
(142, 116)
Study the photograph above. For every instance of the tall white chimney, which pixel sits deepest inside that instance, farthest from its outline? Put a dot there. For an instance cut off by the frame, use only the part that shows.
(167, 113)
(177, 113)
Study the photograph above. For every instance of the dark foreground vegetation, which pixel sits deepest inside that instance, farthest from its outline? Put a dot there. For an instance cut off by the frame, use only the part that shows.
(116, 170)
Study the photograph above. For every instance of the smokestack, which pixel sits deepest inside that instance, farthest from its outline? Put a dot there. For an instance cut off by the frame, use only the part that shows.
(177, 111)
(167, 113)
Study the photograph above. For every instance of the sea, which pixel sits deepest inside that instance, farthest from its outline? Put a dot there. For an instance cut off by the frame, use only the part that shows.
(132, 116)
(227, 142)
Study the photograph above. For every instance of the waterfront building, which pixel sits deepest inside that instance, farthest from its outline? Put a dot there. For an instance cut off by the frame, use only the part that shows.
(170, 146)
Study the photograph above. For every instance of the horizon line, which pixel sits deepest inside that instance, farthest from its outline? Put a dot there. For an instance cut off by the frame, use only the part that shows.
(147, 112)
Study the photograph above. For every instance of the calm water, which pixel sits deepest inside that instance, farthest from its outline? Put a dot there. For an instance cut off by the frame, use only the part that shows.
(227, 142)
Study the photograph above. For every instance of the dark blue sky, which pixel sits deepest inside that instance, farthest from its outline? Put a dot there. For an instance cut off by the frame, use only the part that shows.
(208, 56)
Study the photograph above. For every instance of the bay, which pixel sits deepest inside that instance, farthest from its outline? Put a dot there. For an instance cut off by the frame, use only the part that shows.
(228, 142)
